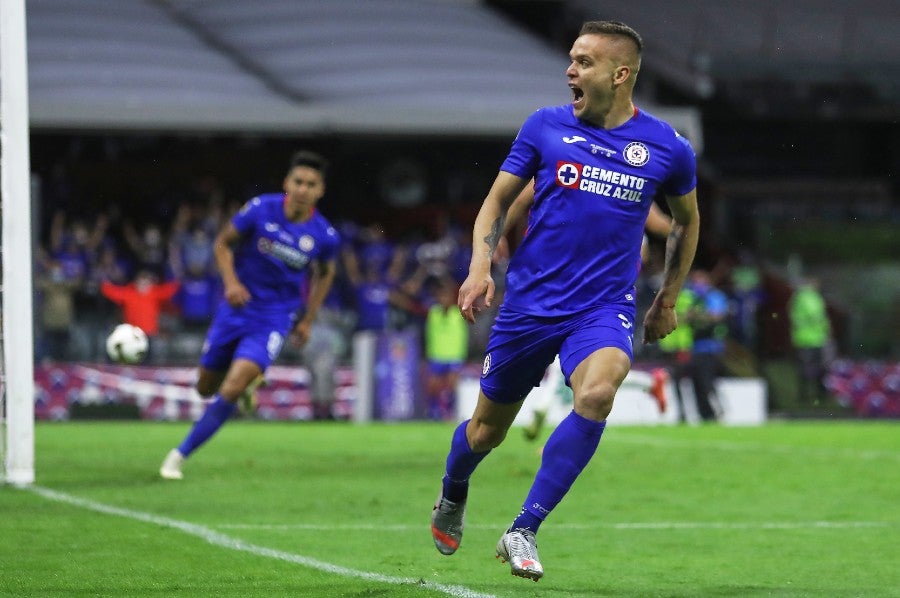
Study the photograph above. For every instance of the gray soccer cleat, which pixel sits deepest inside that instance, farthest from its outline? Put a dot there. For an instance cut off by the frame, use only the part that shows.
(171, 466)
(519, 548)
(447, 522)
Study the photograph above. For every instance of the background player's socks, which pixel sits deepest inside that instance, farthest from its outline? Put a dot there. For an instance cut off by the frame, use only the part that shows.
(568, 450)
(461, 462)
(216, 414)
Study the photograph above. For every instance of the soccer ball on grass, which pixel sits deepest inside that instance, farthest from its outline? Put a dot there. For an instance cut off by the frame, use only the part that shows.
(127, 344)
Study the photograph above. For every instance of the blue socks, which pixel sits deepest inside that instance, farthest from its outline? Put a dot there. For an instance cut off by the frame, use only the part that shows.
(461, 462)
(567, 452)
(216, 414)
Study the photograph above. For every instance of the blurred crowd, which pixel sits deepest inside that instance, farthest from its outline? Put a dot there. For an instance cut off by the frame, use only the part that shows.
(98, 271)
(94, 272)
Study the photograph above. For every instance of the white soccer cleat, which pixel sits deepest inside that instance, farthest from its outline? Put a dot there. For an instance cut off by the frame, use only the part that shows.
(518, 547)
(171, 466)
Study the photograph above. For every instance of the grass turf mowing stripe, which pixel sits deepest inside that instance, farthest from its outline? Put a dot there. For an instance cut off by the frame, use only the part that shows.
(649, 525)
(218, 539)
(693, 444)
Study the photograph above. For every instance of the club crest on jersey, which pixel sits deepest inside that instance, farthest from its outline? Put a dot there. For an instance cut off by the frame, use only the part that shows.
(636, 153)
(306, 243)
(487, 365)
(568, 174)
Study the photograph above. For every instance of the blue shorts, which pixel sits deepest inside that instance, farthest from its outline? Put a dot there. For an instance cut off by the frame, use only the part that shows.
(237, 334)
(521, 346)
(439, 368)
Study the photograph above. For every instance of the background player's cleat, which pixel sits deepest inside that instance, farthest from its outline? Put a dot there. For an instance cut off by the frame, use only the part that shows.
(532, 430)
(447, 522)
(248, 400)
(518, 547)
(658, 390)
(171, 466)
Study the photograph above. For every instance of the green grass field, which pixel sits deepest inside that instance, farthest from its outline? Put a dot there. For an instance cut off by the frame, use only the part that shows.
(274, 509)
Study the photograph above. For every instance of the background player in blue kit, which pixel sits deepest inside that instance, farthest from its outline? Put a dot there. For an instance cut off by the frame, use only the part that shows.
(264, 254)
(597, 164)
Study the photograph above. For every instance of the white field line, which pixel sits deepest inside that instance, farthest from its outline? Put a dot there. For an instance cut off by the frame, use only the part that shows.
(827, 452)
(217, 539)
(649, 525)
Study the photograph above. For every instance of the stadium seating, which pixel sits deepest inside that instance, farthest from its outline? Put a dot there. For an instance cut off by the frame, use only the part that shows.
(801, 43)
(129, 67)
(291, 66)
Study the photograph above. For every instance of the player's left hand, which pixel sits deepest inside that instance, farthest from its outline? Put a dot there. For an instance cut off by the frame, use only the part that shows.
(300, 333)
(659, 322)
(475, 294)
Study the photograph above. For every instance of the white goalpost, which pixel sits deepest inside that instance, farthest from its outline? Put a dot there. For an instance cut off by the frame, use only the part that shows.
(16, 342)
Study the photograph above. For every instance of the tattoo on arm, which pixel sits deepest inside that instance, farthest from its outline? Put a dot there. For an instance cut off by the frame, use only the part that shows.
(674, 250)
(673, 246)
(493, 238)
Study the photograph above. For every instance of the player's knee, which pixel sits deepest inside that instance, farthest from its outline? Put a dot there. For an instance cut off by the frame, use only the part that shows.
(205, 388)
(230, 390)
(595, 401)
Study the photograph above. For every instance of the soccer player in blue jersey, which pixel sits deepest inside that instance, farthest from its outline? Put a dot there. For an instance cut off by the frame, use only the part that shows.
(653, 382)
(264, 254)
(597, 164)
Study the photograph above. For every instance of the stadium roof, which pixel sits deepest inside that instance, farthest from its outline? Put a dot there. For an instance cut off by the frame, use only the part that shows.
(793, 50)
(291, 66)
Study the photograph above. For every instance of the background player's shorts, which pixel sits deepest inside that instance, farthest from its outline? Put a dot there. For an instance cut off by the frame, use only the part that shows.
(235, 334)
(521, 346)
(439, 368)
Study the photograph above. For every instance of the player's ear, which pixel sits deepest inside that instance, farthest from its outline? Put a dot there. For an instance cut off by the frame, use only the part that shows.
(621, 74)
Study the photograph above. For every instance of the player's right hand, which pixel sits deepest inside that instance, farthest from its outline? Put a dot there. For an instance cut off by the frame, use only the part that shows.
(475, 294)
(237, 295)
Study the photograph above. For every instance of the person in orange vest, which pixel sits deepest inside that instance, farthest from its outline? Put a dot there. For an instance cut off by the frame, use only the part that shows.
(141, 300)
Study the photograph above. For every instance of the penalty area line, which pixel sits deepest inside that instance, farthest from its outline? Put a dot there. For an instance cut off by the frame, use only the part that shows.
(218, 539)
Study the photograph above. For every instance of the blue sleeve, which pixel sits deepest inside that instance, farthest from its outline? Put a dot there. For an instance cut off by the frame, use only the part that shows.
(331, 245)
(524, 157)
(683, 177)
(246, 217)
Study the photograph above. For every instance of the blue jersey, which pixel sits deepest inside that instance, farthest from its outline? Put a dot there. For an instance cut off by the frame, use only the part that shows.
(274, 252)
(593, 189)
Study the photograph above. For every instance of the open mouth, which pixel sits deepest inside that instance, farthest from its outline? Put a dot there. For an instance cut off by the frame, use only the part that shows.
(577, 96)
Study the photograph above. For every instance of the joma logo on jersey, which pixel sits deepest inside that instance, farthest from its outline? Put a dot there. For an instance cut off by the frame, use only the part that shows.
(568, 174)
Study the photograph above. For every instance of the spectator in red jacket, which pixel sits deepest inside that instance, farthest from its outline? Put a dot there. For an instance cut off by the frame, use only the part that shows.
(141, 300)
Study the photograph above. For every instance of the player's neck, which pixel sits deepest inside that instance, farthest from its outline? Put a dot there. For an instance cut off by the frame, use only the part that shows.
(297, 212)
(619, 114)
(298, 215)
